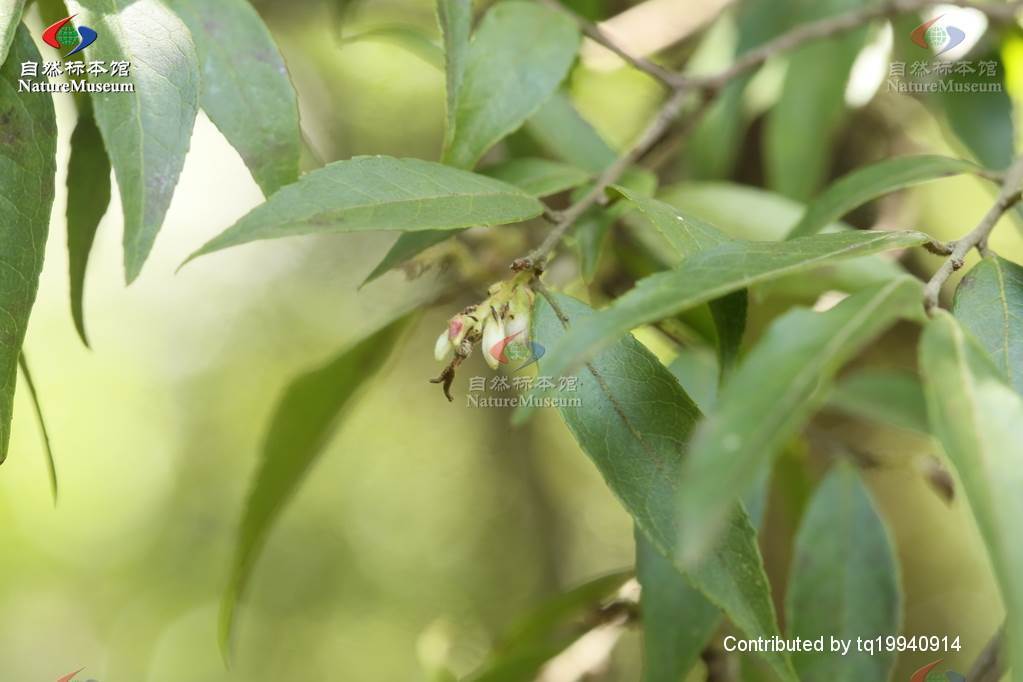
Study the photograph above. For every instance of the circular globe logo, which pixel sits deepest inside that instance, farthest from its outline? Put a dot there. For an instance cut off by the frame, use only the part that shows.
(937, 36)
(67, 36)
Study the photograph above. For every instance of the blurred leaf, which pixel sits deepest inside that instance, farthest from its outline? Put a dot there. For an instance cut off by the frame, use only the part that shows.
(549, 630)
(146, 132)
(875, 180)
(33, 395)
(801, 127)
(504, 83)
(10, 18)
(309, 413)
(562, 131)
(591, 229)
(677, 620)
(697, 371)
(380, 193)
(711, 274)
(976, 416)
(844, 582)
(633, 421)
(409, 38)
(539, 177)
(405, 248)
(989, 304)
(88, 197)
(770, 397)
(28, 167)
(891, 397)
(455, 19)
(242, 73)
(982, 120)
(729, 314)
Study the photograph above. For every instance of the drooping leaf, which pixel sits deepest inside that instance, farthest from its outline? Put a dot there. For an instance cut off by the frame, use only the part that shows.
(562, 131)
(801, 127)
(539, 177)
(677, 619)
(729, 313)
(976, 415)
(634, 420)
(28, 166)
(548, 630)
(33, 394)
(10, 17)
(592, 226)
(989, 304)
(844, 582)
(380, 193)
(455, 19)
(870, 182)
(771, 395)
(146, 132)
(245, 87)
(406, 247)
(88, 188)
(504, 82)
(887, 396)
(710, 274)
(307, 416)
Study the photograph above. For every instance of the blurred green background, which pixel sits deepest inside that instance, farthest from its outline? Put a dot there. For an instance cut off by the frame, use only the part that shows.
(427, 527)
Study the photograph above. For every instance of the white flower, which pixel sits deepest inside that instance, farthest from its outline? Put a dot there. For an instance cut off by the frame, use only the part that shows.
(493, 341)
(443, 346)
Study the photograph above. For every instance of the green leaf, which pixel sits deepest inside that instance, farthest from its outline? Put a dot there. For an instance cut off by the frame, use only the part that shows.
(505, 83)
(409, 38)
(729, 313)
(307, 416)
(887, 396)
(10, 17)
(634, 420)
(28, 166)
(867, 183)
(146, 132)
(243, 73)
(801, 126)
(562, 131)
(771, 396)
(711, 274)
(88, 187)
(548, 630)
(592, 226)
(976, 416)
(405, 248)
(455, 19)
(677, 620)
(33, 394)
(539, 177)
(989, 304)
(380, 193)
(844, 582)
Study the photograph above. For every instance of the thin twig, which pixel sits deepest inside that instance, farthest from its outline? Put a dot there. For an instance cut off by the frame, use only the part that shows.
(1008, 197)
(989, 666)
(592, 31)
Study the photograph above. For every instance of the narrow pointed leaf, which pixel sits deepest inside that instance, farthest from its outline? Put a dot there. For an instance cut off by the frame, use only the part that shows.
(563, 132)
(380, 193)
(710, 274)
(989, 305)
(307, 416)
(28, 167)
(844, 582)
(870, 182)
(243, 73)
(455, 19)
(147, 132)
(505, 81)
(33, 394)
(771, 395)
(88, 187)
(677, 619)
(976, 415)
(539, 177)
(887, 396)
(10, 17)
(634, 422)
